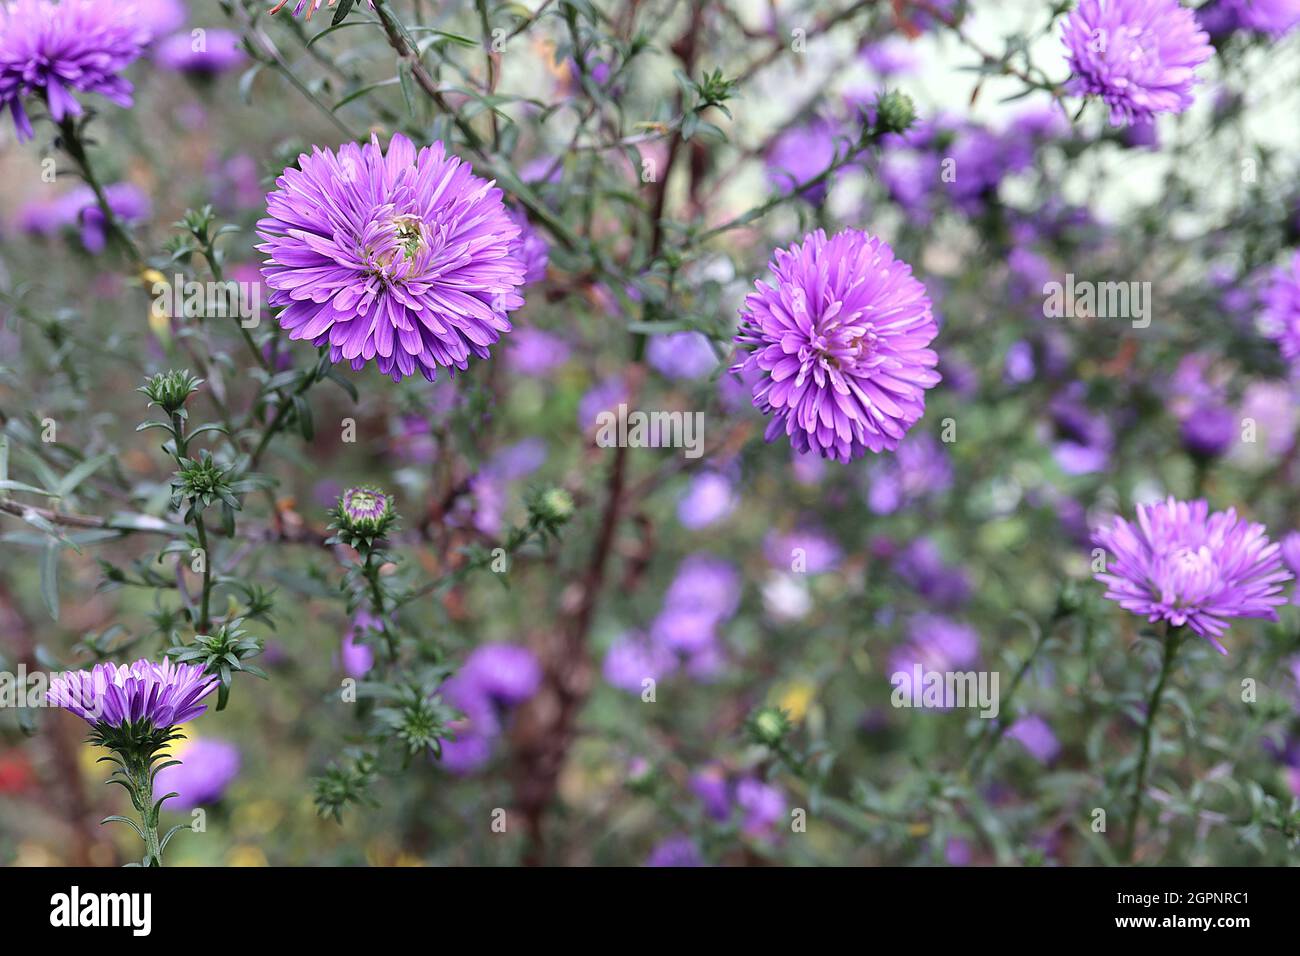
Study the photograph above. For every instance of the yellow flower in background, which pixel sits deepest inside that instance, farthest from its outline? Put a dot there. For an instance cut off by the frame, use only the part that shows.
(246, 856)
(795, 697)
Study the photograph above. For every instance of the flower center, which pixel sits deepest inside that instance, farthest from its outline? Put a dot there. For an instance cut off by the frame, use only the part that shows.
(1189, 574)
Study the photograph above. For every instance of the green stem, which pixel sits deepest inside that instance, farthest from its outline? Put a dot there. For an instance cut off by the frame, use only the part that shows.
(988, 743)
(142, 799)
(1172, 639)
(371, 570)
(72, 144)
(205, 622)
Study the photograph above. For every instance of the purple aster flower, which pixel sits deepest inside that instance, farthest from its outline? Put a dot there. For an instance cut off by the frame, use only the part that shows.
(531, 248)
(311, 6)
(958, 852)
(1290, 550)
(405, 258)
(474, 731)
(53, 50)
(711, 786)
(709, 498)
(942, 643)
(706, 663)
(159, 16)
(922, 567)
(80, 208)
(762, 806)
(632, 659)
(1084, 439)
(605, 396)
(1281, 318)
(681, 355)
(163, 695)
(891, 56)
(705, 583)
(801, 154)
(676, 851)
(1209, 431)
(508, 674)
(534, 352)
(920, 468)
(201, 53)
(206, 769)
(356, 655)
(935, 644)
(518, 460)
(1139, 56)
(808, 549)
(842, 338)
(705, 592)
(1184, 565)
(1036, 736)
(1273, 18)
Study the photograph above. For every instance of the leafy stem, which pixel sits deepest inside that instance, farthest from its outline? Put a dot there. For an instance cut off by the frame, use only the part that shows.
(1172, 641)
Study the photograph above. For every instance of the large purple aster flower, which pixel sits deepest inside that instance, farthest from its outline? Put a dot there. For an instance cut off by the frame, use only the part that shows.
(109, 694)
(841, 341)
(407, 259)
(1139, 56)
(1183, 565)
(53, 50)
(1281, 318)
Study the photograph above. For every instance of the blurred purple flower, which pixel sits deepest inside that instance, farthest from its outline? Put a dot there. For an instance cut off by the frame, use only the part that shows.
(922, 567)
(1180, 563)
(605, 396)
(681, 355)
(805, 550)
(1209, 430)
(1019, 367)
(919, 469)
(676, 851)
(892, 56)
(709, 498)
(710, 784)
(1084, 439)
(206, 769)
(357, 657)
(1290, 550)
(802, 153)
(763, 806)
(534, 352)
(80, 208)
(1273, 18)
(1281, 317)
(159, 17)
(474, 731)
(531, 248)
(632, 659)
(508, 674)
(203, 53)
(1034, 734)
